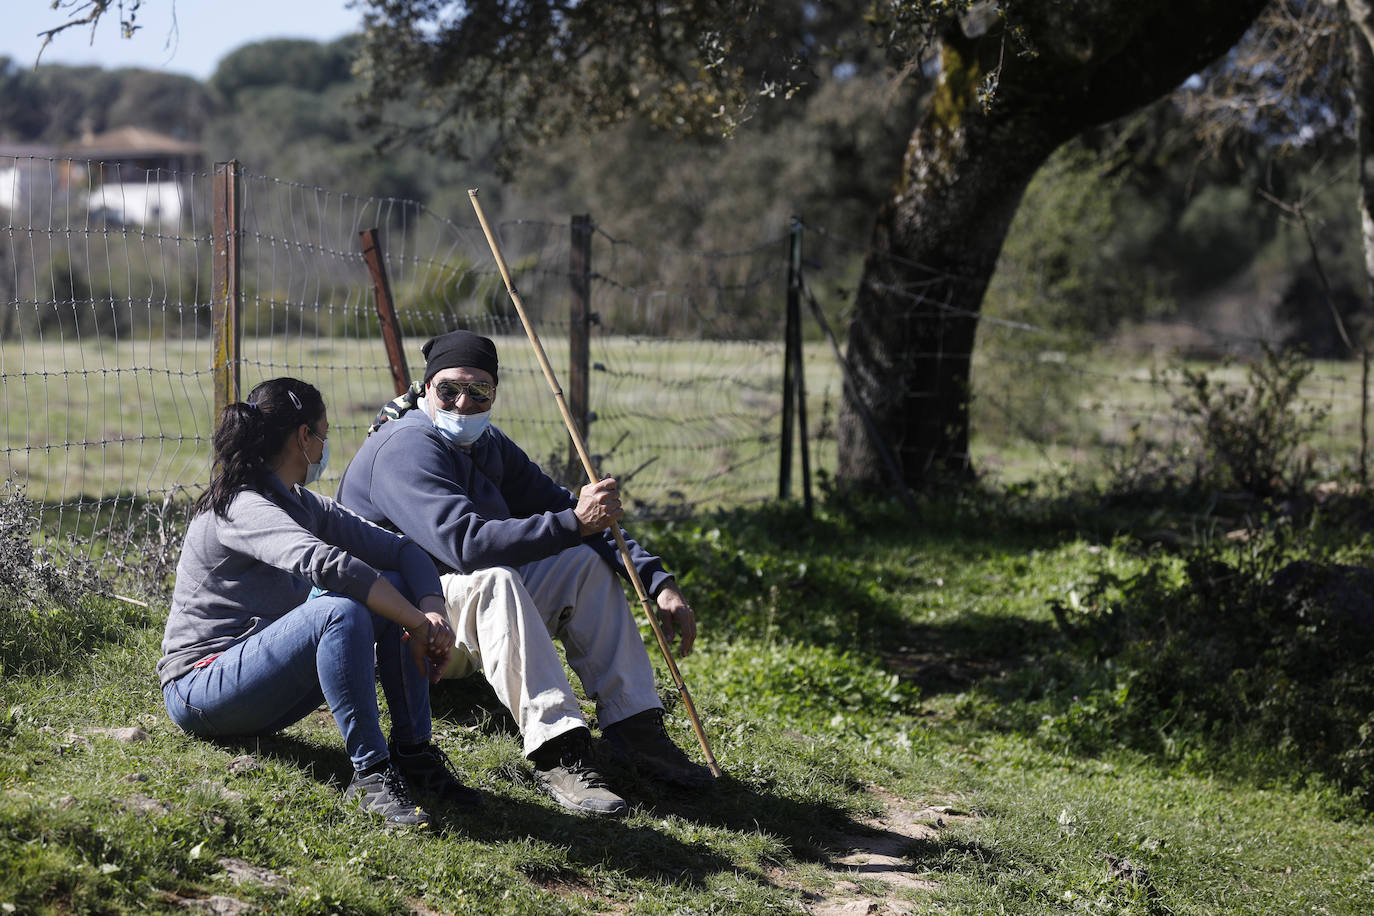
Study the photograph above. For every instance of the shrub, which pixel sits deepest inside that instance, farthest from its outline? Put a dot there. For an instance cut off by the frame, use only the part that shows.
(51, 613)
(1240, 654)
(1251, 433)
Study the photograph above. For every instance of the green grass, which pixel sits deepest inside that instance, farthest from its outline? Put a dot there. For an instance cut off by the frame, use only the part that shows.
(688, 425)
(683, 421)
(1036, 415)
(804, 625)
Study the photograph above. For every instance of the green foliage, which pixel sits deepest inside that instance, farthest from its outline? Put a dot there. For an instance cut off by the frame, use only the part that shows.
(545, 71)
(306, 66)
(1126, 224)
(50, 617)
(1219, 233)
(54, 103)
(1250, 439)
(814, 735)
(438, 295)
(1233, 656)
(813, 686)
(152, 295)
(764, 568)
(1251, 433)
(831, 164)
(1077, 256)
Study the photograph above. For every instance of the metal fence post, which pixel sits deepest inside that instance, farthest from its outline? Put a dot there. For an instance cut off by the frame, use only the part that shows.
(791, 360)
(794, 287)
(579, 328)
(386, 311)
(227, 304)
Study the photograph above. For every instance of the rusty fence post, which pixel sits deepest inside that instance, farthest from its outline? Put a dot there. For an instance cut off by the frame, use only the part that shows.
(579, 328)
(226, 307)
(386, 310)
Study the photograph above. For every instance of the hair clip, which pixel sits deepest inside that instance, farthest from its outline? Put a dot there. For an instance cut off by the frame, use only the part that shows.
(294, 400)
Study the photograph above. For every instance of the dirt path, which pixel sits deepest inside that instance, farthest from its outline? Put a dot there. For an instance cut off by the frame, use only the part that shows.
(870, 868)
(873, 872)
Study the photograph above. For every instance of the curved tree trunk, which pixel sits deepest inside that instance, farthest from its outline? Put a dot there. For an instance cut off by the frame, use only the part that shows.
(938, 236)
(1361, 14)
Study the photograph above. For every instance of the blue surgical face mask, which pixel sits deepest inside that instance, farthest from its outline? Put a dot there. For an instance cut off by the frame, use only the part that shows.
(316, 468)
(461, 429)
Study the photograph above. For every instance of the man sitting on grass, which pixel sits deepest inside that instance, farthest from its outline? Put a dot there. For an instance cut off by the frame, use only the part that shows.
(523, 561)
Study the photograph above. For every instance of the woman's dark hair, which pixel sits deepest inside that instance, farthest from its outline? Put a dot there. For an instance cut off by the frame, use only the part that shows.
(252, 432)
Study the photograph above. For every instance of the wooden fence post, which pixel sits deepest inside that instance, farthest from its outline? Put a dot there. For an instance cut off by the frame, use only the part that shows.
(386, 311)
(227, 302)
(793, 382)
(579, 329)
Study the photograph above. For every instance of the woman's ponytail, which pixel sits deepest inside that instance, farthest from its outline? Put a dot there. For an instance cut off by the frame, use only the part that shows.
(250, 433)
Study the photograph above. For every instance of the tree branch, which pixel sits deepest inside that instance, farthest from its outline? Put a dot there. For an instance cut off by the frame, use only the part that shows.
(89, 12)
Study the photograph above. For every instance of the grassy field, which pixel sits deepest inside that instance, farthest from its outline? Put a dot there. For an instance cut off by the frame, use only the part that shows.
(845, 676)
(1040, 414)
(686, 423)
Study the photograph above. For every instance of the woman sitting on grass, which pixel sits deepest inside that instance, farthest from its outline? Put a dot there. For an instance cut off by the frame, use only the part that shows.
(250, 649)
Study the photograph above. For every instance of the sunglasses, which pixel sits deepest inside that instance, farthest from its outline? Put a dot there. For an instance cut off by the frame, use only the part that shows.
(481, 392)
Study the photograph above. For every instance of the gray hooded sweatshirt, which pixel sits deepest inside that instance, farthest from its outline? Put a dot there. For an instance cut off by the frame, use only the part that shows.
(239, 573)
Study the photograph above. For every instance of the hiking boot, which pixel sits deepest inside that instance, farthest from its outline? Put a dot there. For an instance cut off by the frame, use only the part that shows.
(428, 771)
(641, 742)
(385, 793)
(563, 768)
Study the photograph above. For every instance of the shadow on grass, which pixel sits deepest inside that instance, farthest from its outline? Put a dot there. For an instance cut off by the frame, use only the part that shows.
(628, 847)
(953, 656)
(729, 804)
(471, 703)
(947, 854)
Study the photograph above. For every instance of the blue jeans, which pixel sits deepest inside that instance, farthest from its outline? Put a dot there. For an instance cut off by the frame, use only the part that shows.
(323, 650)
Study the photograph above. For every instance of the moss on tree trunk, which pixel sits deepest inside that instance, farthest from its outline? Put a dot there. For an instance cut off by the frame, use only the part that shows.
(1064, 68)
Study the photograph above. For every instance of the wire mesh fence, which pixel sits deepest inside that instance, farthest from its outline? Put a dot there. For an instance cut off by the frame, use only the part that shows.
(109, 287)
(108, 345)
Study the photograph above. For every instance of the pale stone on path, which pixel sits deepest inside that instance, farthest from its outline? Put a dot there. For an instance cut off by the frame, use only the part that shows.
(128, 735)
(241, 872)
(245, 763)
(220, 906)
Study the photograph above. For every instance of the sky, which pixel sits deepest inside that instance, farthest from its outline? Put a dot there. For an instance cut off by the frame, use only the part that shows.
(202, 32)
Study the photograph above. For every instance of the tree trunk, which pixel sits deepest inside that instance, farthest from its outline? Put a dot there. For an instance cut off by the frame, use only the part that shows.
(1361, 14)
(938, 236)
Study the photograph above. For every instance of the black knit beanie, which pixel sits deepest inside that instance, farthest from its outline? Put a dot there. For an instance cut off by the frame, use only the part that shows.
(459, 348)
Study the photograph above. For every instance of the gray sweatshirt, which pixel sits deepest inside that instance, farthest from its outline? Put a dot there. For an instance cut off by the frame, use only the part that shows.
(238, 574)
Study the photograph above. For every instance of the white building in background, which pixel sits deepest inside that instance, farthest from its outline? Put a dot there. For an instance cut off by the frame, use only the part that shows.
(136, 203)
(12, 186)
(135, 176)
(28, 172)
(128, 176)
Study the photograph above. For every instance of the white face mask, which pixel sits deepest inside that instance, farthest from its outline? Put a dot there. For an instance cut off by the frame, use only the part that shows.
(461, 429)
(316, 468)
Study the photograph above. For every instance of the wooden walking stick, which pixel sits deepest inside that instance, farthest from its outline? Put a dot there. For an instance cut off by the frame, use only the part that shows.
(650, 610)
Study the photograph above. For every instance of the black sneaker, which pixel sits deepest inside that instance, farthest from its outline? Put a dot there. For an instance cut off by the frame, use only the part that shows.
(563, 768)
(429, 772)
(385, 793)
(641, 742)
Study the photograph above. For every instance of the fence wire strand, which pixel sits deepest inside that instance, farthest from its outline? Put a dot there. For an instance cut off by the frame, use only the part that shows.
(107, 352)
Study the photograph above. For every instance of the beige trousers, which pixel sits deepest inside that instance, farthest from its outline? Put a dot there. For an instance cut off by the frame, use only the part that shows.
(506, 620)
